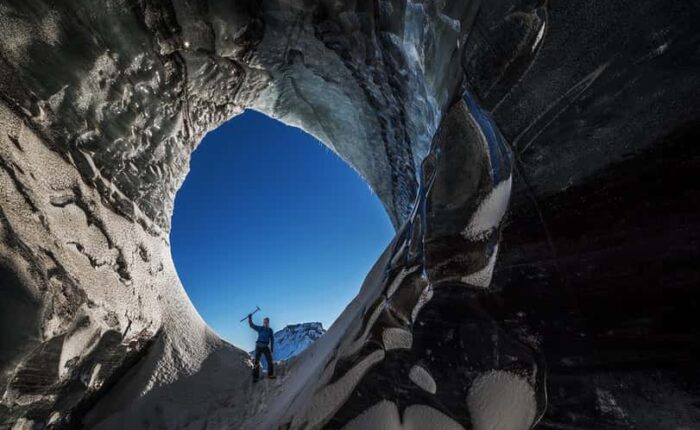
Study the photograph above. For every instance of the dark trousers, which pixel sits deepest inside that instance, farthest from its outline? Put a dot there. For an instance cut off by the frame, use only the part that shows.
(268, 357)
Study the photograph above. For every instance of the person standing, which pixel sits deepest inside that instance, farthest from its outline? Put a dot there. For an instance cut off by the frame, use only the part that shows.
(265, 345)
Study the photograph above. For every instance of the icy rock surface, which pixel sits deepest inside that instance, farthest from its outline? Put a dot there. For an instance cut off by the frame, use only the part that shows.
(295, 338)
(538, 159)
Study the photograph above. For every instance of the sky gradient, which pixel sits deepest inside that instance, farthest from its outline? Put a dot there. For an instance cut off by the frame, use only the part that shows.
(269, 216)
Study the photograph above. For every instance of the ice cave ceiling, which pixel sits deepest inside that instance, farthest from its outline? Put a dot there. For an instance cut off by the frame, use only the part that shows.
(538, 159)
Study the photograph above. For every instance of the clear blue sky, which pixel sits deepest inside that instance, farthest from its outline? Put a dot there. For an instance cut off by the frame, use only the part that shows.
(269, 216)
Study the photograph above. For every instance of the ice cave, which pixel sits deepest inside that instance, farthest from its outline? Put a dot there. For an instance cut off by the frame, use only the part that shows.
(538, 160)
(257, 222)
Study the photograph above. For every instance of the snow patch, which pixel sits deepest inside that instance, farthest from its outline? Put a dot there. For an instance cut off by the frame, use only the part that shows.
(490, 212)
(607, 405)
(23, 424)
(482, 278)
(385, 415)
(540, 35)
(421, 417)
(397, 338)
(500, 400)
(332, 396)
(95, 383)
(424, 298)
(421, 377)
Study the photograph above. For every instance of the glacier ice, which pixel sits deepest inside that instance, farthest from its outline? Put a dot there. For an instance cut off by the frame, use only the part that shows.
(537, 159)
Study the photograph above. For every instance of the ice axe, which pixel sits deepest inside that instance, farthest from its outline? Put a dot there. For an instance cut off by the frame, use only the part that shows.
(257, 308)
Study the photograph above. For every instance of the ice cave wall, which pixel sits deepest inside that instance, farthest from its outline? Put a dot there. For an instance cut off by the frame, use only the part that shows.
(115, 95)
(103, 102)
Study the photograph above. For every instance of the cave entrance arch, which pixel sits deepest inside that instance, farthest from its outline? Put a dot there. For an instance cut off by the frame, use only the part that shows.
(102, 103)
(111, 129)
(269, 216)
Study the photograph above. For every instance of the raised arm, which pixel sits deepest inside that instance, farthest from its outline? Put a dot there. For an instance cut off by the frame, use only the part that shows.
(250, 323)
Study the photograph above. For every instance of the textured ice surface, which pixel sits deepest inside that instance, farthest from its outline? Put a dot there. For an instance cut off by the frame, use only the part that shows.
(422, 378)
(500, 400)
(424, 298)
(397, 338)
(490, 211)
(385, 415)
(102, 104)
(328, 399)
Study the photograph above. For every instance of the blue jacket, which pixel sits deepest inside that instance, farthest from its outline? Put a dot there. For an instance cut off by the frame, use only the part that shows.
(265, 335)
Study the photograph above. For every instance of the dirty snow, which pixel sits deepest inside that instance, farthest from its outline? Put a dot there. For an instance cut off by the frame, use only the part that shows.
(385, 416)
(421, 377)
(501, 400)
(397, 338)
(490, 212)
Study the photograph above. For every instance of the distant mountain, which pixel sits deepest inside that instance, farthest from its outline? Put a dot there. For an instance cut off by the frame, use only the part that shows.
(293, 339)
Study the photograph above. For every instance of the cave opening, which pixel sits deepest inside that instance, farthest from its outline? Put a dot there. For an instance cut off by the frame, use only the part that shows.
(270, 217)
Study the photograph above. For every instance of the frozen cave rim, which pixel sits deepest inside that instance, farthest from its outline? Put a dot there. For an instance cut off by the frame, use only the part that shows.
(488, 149)
(317, 326)
(408, 248)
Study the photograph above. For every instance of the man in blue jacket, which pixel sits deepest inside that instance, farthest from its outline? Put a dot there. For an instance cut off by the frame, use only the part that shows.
(264, 345)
